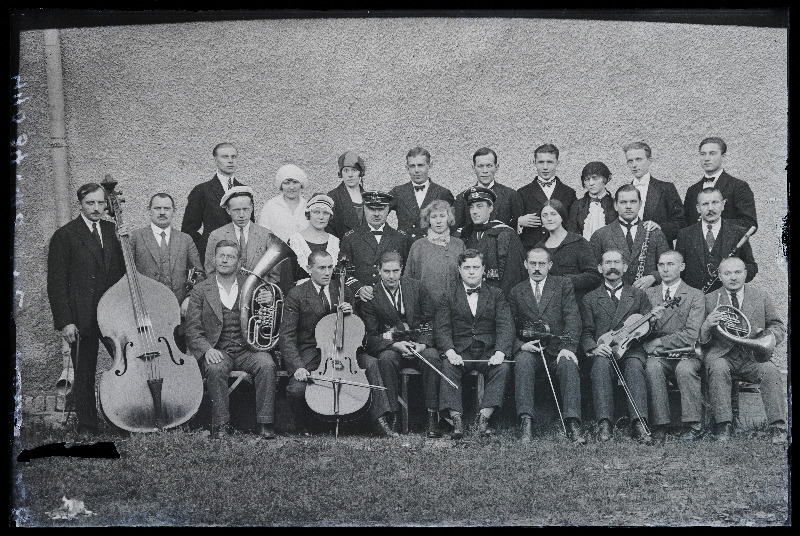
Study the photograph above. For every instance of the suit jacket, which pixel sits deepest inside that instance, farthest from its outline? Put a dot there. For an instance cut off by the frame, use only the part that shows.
(612, 237)
(259, 238)
(379, 315)
(663, 206)
(557, 308)
(203, 211)
(455, 327)
(182, 254)
(204, 316)
(405, 205)
(508, 207)
(756, 306)
(740, 205)
(580, 211)
(345, 215)
(692, 245)
(302, 310)
(502, 250)
(363, 250)
(679, 325)
(600, 315)
(533, 198)
(79, 272)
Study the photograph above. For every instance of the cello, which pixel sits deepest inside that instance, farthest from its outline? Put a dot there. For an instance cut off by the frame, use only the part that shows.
(339, 388)
(152, 385)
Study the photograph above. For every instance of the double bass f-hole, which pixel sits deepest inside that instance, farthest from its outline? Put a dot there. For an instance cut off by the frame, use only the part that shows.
(124, 359)
(179, 361)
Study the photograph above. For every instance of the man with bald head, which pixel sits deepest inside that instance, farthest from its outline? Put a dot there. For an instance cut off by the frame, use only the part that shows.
(727, 359)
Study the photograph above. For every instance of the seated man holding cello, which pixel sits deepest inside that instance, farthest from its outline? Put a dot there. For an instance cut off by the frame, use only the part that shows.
(398, 324)
(214, 336)
(305, 305)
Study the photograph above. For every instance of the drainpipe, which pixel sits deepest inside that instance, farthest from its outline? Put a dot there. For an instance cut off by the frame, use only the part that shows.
(58, 130)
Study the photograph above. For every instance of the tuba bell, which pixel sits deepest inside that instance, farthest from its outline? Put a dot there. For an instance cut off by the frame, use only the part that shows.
(261, 323)
(736, 328)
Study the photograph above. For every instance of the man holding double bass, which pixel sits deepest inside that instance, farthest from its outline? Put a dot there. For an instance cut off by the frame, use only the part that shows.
(84, 260)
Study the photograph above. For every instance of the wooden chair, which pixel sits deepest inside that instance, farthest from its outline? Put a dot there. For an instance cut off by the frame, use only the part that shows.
(402, 398)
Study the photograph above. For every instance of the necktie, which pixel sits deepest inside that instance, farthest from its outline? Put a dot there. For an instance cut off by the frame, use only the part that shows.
(734, 299)
(325, 303)
(396, 298)
(666, 295)
(710, 238)
(471, 291)
(613, 294)
(230, 183)
(538, 293)
(243, 246)
(162, 249)
(628, 234)
(96, 234)
(546, 184)
(377, 233)
(419, 187)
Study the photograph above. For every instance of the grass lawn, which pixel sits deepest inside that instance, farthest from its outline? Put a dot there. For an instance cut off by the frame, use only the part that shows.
(183, 478)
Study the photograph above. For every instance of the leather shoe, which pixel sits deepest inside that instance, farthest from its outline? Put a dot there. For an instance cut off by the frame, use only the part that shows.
(574, 431)
(432, 428)
(723, 432)
(266, 431)
(218, 432)
(604, 432)
(393, 421)
(483, 425)
(659, 435)
(526, 429)
(778, 435)
(458, 426)
(383, 428)
(640, 434)
(691, 434)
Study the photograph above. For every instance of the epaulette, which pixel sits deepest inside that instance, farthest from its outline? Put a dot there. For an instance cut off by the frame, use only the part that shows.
(348, 233)
(351, 280)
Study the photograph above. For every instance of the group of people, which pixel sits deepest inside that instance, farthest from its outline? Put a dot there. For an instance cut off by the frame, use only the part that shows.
(536, 278)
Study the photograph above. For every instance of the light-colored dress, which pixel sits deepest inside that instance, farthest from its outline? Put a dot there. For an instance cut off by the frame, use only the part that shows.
(436, 266)
(302, 249)
(280, 219)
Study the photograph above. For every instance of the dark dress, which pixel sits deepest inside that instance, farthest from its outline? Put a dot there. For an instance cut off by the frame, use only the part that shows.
(573, 258)
(298, 272)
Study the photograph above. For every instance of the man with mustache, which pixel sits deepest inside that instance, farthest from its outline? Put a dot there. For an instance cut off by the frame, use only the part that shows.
(604, 309)
(84, 260)
(710, 240)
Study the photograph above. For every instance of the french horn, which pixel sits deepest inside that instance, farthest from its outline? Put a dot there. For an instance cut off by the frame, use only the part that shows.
(736, 328)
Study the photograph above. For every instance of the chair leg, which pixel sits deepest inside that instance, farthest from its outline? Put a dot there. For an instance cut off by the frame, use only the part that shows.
(404, 403)
(735, 403)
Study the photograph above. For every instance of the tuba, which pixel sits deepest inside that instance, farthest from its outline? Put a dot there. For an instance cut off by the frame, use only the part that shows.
(260, 324)
(736, 328)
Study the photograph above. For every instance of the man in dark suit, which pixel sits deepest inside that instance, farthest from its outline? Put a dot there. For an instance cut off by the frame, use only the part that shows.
(677, 327)
(364, 245)
(203, 210)
(604, 309)
(627, 235)
(84, 260)
(215, 338)
(508, 206)
(473, 323)
(544, 187)
(305, 305)
(740, 204)
(411, 197)
(661, 205)
(399, 319)
(550, 300)
(726, 359)
(707, 242)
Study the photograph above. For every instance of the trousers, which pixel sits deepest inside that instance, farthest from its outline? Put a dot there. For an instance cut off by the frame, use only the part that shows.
(259, 365)
(721, 370)
(566, 380)
(495, 376)
(391, 362)
(686, 373)
(604, 378)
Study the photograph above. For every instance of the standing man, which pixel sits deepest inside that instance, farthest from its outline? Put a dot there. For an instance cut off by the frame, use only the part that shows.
(364, 245)
(84, 260)
(474, 323)
(726, 359)
(661, 205)
(508, 206)
(678, 327)
(203, 208)
(605, 309)
(305, 305)
(215, 338)
(627, 235)
(499, 244)
(409, 198)
(544, 187)
(398, 319)
(550, 300)
(705, 243)
(740, 204)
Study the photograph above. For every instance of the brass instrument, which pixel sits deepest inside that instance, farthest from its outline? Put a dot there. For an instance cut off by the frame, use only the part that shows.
(715, 273)
(194, 276)
(261, 323)
(643, 254)
(736, 328)
(682, 353)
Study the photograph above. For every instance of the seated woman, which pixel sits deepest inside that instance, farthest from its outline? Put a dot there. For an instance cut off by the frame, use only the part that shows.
(284, 213)
(319, 210)
(570, 253)
(596, 208)
(434, 259)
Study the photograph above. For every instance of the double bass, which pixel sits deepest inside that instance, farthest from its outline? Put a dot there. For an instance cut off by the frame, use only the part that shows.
(152, 385)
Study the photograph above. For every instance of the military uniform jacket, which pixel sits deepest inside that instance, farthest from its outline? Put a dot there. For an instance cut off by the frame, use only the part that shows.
(613, 237)
(600, 315)
(502, 250)
(557, 308)
(363, 250)
(380, 315)
(455, 327)
(507, 208)
(740, 205)
(405, 205)
(182, 254)
(533, 199)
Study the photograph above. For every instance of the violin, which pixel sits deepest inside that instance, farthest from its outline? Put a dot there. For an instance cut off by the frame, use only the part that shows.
(634, 328)
(152, 385)
(398, 335)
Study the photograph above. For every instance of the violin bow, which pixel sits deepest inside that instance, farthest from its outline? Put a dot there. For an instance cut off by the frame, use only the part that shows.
(439, 372)
(539, 348)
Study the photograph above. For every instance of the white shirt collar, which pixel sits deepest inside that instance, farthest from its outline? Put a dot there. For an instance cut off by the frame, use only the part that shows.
(715, 227)
(89, 223)
(713, 177)
(228, 298)
(157, 231)
(327, 290)
(371, 228)
(739, 294)
(245, 229)
(541, 284)
(424, 184)
(490, 185)
(644, 181)
(224, 180)
(672, 289)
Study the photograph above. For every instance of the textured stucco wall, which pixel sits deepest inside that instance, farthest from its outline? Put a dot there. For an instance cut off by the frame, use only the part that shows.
(147, 104)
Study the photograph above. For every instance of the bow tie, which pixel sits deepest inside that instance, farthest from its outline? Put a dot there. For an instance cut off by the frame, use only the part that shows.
(376, 233)
(594, 199)
(628, 225)
(546, 184)
(707, 180)
(419, 187)
(471, 291)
